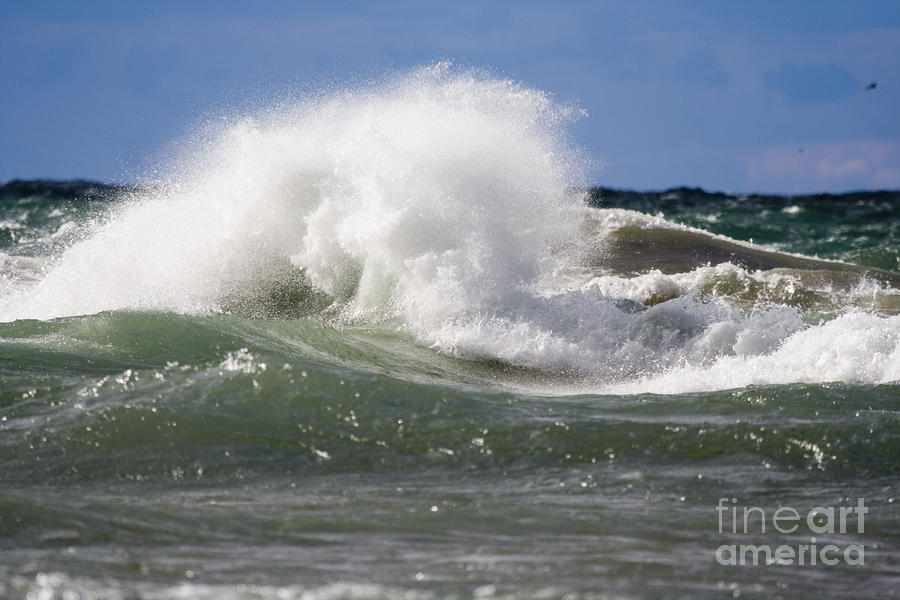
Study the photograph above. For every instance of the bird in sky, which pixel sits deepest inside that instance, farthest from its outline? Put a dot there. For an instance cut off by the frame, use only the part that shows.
(872, 86)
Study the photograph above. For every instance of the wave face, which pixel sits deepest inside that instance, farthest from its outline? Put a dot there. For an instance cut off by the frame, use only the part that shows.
(378, 344)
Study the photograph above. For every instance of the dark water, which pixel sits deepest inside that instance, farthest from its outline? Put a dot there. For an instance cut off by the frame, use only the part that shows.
(860, 228)
(162, 453)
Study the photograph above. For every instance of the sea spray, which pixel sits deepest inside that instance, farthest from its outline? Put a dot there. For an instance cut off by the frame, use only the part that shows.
(426, 195)
(441, 204)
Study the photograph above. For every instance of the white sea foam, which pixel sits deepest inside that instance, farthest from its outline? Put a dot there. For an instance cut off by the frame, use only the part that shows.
(441, 199)
(52, 586)
(59, 585)
(853, 348)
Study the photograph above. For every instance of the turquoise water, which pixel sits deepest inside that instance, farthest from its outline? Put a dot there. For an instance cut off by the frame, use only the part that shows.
(411, 361)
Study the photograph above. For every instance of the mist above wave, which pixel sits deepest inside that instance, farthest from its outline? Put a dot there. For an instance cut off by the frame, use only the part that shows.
(437, 184)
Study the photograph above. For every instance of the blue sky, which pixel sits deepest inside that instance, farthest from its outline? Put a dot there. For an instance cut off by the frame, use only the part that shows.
(740, 96)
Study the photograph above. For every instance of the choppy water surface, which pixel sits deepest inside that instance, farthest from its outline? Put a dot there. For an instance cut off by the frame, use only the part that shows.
(376, 345)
